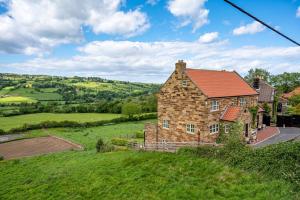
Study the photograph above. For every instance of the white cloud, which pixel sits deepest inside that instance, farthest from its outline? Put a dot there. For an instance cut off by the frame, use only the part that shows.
(252, 28)
(208, 37)
(298, 12)
(190, 11)
(33, 27)
(154, 61)
(152, 2)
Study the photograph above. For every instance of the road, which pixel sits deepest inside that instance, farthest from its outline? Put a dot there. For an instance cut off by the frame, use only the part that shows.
(286, 134)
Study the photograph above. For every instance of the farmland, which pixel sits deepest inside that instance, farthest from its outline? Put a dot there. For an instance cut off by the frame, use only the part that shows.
(16, 100)
(7, 123)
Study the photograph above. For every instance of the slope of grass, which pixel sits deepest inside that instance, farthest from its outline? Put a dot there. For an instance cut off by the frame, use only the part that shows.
(7, 123)
(16, 99)
(131, 175)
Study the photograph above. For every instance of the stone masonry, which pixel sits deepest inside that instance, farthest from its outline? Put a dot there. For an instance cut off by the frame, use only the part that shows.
(182, 105)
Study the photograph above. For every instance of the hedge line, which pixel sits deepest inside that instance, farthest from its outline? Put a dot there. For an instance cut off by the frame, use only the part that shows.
(55, 124)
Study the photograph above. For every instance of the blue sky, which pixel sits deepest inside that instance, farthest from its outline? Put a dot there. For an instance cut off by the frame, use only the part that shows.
(137, 40)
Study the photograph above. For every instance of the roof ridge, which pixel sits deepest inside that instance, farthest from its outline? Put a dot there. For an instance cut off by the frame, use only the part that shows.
(214, 70)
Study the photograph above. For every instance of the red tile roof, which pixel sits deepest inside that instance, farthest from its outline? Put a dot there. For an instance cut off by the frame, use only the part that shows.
(231, 113)
(220, 83)
(296, 91)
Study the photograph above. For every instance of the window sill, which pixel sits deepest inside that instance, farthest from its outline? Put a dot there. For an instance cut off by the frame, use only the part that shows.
(190, 133)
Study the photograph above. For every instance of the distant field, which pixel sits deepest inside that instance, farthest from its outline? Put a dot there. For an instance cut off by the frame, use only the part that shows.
(7, 123)
(42, 94)
(16, 99)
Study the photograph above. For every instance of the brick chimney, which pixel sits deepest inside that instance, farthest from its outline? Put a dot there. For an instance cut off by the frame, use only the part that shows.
(180, 66)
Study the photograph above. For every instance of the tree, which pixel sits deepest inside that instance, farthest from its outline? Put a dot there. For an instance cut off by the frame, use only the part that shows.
(285, 82)
(257, 72)
(131, 108)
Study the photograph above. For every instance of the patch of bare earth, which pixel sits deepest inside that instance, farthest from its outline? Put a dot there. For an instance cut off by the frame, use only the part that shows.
(35, 146)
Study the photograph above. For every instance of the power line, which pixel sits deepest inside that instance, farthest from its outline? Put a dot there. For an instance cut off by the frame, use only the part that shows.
(260, 21)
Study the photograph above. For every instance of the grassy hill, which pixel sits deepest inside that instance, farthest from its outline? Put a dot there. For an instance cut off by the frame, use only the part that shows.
(40, 93)
(131, 175)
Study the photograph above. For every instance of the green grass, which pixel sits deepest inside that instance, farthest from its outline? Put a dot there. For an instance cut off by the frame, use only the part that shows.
(131, 175)
(16, 99)
(7, 123)
(88, 136)
(127, 174)
(43, 94)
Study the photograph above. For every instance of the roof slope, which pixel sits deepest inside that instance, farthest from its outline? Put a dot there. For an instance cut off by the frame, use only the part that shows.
(296, 91)
(266, 92)
(231, 113)
(220, 83)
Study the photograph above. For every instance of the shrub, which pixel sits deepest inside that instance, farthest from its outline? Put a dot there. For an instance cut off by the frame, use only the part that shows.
(1, 158)
(119, 142)
(102, 147)
(2, 132)
(139, 134)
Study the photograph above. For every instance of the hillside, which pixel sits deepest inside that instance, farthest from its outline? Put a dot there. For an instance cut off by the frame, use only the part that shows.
(41, 93)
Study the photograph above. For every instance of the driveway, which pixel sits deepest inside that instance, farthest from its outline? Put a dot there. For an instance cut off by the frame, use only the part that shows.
(286, 134)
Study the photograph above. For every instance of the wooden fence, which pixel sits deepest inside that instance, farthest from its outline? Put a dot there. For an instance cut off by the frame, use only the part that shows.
(167, 146)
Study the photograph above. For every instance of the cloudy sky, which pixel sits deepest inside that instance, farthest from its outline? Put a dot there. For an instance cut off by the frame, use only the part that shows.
(137, 40)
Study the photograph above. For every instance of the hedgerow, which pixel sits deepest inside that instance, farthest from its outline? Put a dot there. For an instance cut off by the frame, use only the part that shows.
(72, 124)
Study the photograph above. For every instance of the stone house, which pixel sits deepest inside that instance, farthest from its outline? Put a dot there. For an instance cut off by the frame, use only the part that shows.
(193, 104)
(266, 94)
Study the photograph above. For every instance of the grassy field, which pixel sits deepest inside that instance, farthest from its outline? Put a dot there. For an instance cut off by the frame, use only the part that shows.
(131, 175)
(42, 94)
(127, 174)
(16, 99)
(7, 123)
(88, 136)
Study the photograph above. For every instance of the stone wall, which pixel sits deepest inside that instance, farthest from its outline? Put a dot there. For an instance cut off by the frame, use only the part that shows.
(150, 133)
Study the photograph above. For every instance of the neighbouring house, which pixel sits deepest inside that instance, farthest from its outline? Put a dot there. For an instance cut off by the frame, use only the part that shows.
(295, 92)
(266, 94)
(193, 104)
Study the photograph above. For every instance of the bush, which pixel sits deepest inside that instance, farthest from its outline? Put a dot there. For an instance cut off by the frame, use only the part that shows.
(1, 158)
(139, 134)
(102, 147)
(2, 132)
(119, 142)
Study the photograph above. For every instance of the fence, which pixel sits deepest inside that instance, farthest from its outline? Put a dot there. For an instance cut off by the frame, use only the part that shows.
(288, 121)
(167, 146)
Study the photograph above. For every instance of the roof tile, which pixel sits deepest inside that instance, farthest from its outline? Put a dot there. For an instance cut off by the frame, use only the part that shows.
(231, 113)
(220, 83)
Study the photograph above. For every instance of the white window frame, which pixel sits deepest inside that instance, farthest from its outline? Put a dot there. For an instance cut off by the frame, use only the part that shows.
(190, 128)
(214, 105)
(184, 83)
(242, 101)
(214, 128)
(226, 128)
(166, 124)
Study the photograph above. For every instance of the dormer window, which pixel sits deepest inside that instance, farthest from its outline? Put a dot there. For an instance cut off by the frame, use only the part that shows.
(242, 102)
(214, 105)
(184, 83)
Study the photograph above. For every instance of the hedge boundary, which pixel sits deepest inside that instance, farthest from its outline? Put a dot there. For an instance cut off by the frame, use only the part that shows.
(73, 124)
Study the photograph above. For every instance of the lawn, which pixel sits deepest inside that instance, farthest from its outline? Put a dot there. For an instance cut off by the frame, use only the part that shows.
(16, 99)
(131, 175)
(7, 123)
